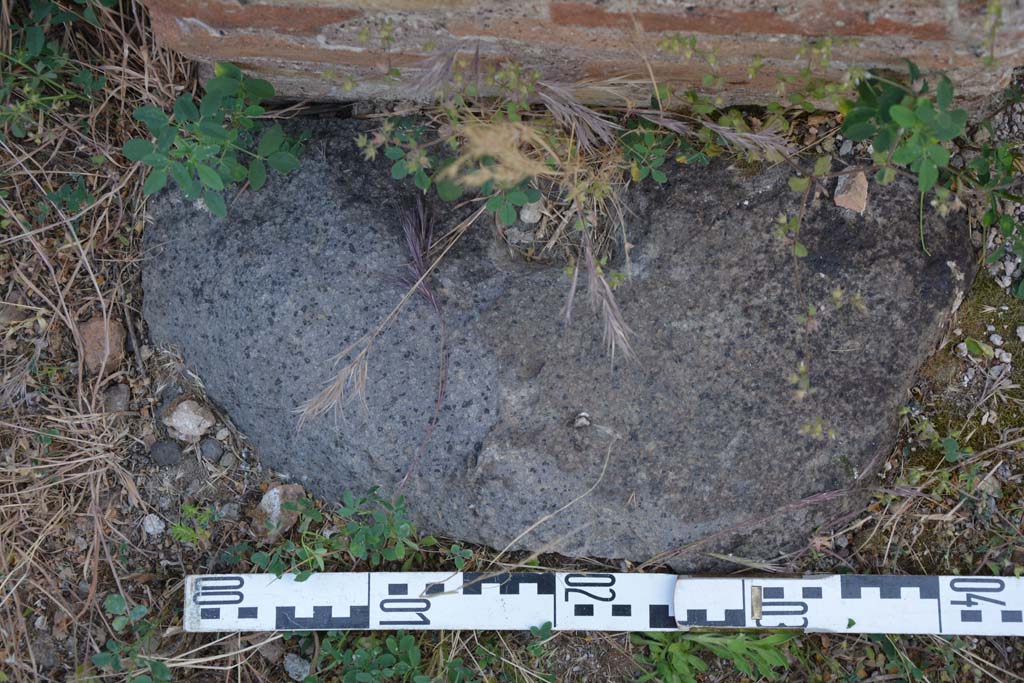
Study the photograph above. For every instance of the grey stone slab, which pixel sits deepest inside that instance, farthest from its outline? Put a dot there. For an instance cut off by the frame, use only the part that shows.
(701, 433)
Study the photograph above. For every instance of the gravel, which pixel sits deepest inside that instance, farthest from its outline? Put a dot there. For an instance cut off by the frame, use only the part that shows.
(296, 667)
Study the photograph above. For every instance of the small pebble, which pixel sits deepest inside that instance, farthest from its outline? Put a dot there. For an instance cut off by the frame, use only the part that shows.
(1004, 356)
(532, 213)
(226, 460)
(115, 398)
(1020, 333)
(165, 453)
(961, 349)
(996, 339)
(222, 434)
(211, 449)
(153, 525)
(845, 148)
(230, 511)
(296, 667)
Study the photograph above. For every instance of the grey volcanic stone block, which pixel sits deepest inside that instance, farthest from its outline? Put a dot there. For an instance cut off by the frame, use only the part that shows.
(701, 433)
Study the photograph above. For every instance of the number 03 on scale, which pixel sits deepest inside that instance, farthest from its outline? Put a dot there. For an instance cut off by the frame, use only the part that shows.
(941, 605)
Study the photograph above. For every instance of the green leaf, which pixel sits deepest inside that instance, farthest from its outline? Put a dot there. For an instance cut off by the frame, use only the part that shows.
(226, 69)
(210, 104)
(258, 88)
(938, 154)
(798, 184)
(658, 176)
(859, 131)
(213, 130)
(35, 40)
(885, 138)
(518, 198)
(399, 169)
(115, 604)
(951, 448)
(151, 116)
(215, 203)
(283, 162)
(155, 182)
(185, 109)
(944, 93)
(209, 177)
(137, 149)
(222, 86)
(270, 141)
(394, 153)
(421, 180)
(977, 348)
(823, 165)
(903, 116)
(906, 154)
(160, 671)
(507, 213)
(103, 659)
(799, 250)
(257, 174)
(927, 175)
(448, 190)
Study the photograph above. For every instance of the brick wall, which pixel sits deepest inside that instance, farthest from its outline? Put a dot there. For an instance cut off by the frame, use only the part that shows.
(318, 48)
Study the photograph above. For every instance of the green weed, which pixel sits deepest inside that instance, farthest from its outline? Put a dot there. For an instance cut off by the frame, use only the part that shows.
(205, 147)
(128, 657)
(673, 657)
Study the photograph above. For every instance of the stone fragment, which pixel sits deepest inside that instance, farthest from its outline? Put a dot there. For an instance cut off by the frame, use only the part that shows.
(271, 519)
(296, 667)
(211, 449)
(153, 525)
(165, 453)
(702, 433)
(116, 397)
(102, 344)
(852, 192)
(190, 420)
(532, 213)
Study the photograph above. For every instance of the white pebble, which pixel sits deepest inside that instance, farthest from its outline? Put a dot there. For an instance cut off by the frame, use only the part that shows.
(961, 349)
(1004, 356)
(996, 339)
(296, 667)
(153, 525)
(1020, 332)
(990, 328)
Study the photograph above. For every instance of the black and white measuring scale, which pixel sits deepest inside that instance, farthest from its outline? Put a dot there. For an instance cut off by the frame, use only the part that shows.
(941, 605)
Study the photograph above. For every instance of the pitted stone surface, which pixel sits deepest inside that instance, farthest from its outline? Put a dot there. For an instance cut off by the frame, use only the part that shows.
(701, 433)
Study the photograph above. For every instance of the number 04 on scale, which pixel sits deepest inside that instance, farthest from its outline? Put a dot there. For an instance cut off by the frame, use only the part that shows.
(941, 605)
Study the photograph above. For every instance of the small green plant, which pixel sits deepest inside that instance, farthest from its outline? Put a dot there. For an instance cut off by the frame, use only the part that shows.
(128, 658)
(542, 635)
(206, 147)
(393, 659)
(194, 526)
(673, 658)
(38, 77)
(366, 529)
(910, 128)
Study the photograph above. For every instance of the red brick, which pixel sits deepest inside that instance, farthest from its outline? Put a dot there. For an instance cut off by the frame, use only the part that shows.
(808, 20)
(223, 14)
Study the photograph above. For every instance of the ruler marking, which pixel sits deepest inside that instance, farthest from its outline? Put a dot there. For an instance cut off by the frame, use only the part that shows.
(638, 602)
(554, 606)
